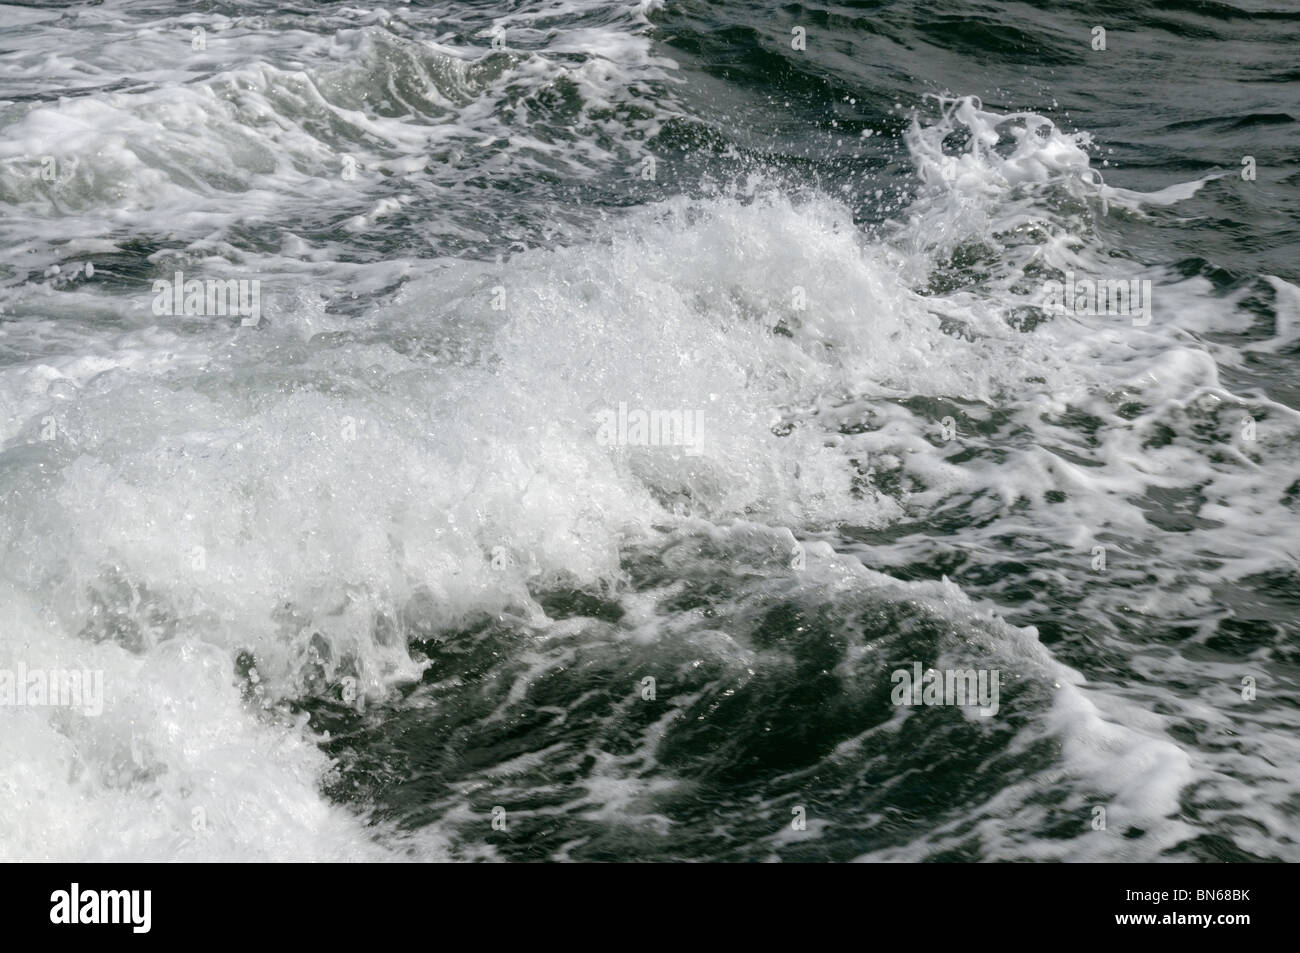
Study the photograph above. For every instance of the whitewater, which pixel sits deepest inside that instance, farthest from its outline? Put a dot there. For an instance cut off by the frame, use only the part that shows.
(385, 560)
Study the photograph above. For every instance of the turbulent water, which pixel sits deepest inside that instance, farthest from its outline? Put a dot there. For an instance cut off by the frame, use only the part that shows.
(367, 571)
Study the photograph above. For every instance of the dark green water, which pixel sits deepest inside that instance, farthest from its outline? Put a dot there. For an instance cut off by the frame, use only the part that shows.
(366, 579)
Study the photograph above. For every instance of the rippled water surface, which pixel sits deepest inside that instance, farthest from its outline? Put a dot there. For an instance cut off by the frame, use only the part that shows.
(380, 564)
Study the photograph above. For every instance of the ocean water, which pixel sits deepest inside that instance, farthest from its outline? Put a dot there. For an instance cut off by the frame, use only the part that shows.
(380, 564)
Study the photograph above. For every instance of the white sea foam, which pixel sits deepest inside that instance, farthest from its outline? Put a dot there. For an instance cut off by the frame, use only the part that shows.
(177, 494)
